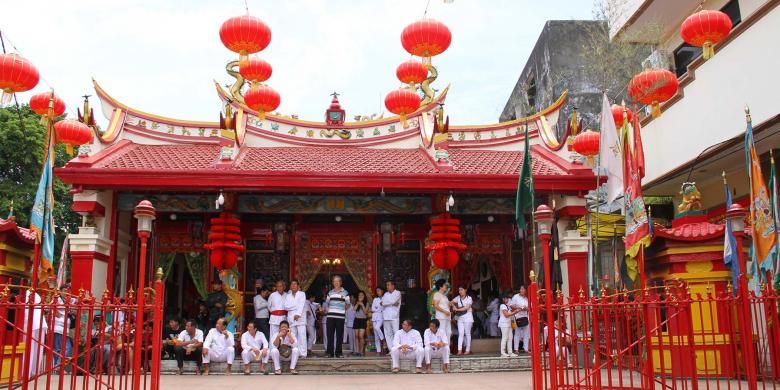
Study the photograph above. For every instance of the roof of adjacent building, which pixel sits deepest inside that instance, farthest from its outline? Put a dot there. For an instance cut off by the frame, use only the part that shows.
(25, 235)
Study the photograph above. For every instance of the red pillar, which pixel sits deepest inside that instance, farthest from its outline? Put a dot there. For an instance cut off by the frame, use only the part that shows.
(577, 271)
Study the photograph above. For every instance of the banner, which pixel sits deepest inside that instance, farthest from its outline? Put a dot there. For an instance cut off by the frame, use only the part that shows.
(610, 152)
(762, 221)
(41, 218)
(638, 231)
(524, 202)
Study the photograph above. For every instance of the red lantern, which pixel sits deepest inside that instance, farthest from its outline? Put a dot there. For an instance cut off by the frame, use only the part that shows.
(412, 72)
(16, 75)
(39, 103)
(70, 133)
(223, 236)
(446, 258)
(255, 70)
(587, 144)
(402, 102)
(617, 115)
(426, 38)
(245, 35)
(263, 99)
(704, 29)
(653, 87)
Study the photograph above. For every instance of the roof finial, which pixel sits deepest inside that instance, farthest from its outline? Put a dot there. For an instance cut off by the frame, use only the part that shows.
(11, 210)
(747, 114)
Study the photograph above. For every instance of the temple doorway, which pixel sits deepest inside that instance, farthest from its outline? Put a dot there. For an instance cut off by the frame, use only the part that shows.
(181, 295)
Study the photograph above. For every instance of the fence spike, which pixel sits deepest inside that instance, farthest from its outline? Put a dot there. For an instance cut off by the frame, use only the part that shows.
(532, 276)
(159, 274)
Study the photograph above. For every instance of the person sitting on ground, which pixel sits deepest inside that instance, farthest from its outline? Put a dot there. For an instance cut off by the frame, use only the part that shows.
(254, 347)
(219, 347)
(169, 335)
(437, 345)
(189, 346)
(284, 347)
(407, 345)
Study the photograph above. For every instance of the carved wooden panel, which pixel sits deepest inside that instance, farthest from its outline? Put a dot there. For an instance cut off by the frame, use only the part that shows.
(268, 266)
(399, 267)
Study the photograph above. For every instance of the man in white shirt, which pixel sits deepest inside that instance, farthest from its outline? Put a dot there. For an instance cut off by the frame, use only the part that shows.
(437, 345)
(284, 347)
(219, 347)
(391, 304)
(296, 305)
(261, 311)
(407, 345)
(520, 302)
(276, 306)
(254, 347)
(312, 307)
(188, 345)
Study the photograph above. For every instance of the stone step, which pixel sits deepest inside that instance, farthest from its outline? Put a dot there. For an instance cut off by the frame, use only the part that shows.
(369, 365)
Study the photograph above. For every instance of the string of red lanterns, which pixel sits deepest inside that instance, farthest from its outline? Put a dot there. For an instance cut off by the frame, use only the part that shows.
(446, 242)
(224, 237)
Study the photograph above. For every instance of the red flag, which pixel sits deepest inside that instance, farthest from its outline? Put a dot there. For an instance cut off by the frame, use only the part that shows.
(639, 151)
(637, 221)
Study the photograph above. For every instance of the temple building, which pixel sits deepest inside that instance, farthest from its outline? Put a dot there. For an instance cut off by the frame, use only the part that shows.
(310, 192)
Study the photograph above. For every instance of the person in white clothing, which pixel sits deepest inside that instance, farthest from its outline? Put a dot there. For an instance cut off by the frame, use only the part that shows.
(562, 340)
(505, 324)
(296, 305)
(407, 345)
(349, 326)
(391, 306)
(312, 307)
(39, 330)
(436, 346)
(254, 347)
(219, 347)
(493, 316)
(277, 312)
(284, 347)
(377, 320)
(442, 306)
(461, 306)
(262, 316)
(519, 302)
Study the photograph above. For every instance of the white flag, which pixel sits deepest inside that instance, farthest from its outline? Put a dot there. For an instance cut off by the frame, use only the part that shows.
(610, 155)
(63, 262)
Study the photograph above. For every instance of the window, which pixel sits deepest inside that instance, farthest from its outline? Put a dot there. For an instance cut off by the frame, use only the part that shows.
(685, 54)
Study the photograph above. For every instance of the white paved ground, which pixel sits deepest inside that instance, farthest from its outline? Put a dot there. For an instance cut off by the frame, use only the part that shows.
(476, 381)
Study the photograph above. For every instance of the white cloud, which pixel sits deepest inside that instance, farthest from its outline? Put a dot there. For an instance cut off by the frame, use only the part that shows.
(161, 56)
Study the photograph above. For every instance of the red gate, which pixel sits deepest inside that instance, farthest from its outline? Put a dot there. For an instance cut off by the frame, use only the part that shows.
(100, 332)
(659, 338)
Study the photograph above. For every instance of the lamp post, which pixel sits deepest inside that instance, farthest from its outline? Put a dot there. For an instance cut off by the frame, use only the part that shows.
(544, 221)
(144, 213)
(736, 216)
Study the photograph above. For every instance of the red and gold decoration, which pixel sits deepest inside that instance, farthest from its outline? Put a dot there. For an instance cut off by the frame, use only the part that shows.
(426, 38)
(16, 75)
(446, 242)
(255, 70)
(263, 99)
(224, 241)
(705, 29)
(587, 144)
(245, 35)
(402, 102)
(48, 105)
(412, 72)
(617, 115)
(653, 87)
(72, 133)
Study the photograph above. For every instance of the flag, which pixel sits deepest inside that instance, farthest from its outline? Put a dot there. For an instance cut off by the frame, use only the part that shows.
(637, 222)
(556, 276)
(762, 220)
(41, 218)
(775, 212)
(524, 202)
(63, 265)
(639, 150)
(730, 256)
(610, 152)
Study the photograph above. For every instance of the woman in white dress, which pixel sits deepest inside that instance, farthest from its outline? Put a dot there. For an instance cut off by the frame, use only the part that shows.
(377, 320)
(441, 305)
(461, 307)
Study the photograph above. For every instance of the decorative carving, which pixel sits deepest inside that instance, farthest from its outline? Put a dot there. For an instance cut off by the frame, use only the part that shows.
(169, 203)
(376, 131)
(399, 267)
(329, 133)
(691, 198)
(267, 265)
(235, 89)
(288, 204)
(359, 133)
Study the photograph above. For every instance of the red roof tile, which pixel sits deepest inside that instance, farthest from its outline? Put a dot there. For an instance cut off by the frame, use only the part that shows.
(24, 234)
(162, 157)
(490, 162)
(334, 160)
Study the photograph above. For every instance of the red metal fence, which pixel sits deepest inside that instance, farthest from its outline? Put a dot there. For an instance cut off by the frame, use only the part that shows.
(661, 338)
(58, 340)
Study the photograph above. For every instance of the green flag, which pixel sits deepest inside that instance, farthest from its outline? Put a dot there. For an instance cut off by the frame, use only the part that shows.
(525, 189)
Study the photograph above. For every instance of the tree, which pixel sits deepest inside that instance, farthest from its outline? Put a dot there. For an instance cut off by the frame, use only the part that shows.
(21, 161)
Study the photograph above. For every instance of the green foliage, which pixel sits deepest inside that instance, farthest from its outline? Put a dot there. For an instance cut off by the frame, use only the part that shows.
(21, 160)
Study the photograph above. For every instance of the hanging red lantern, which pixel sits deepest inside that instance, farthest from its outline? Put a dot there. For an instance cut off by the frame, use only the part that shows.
(245, 35)
(653, 87)
(587, 144)
(412, 72)
(617, 115)
(72, 133)
(426, 38)
(446, 258)
(262, 99)
(445, 241)
(705, 29)
(255, 70)
(16, 75)
(402, 102)
(39, 103)
(224, 235)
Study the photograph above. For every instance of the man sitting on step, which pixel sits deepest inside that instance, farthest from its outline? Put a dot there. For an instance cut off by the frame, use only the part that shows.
(254, 347)
(284, 347)
(188, 345)
(407, 345)
(437, 346)
(219, 347)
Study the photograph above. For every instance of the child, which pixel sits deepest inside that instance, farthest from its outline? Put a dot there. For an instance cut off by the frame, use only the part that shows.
(506, 316)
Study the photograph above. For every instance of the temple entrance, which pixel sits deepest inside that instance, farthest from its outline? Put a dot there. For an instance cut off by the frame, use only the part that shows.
(321, 285)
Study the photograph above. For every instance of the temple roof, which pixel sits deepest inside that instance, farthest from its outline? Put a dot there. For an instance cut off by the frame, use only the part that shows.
(25, 235)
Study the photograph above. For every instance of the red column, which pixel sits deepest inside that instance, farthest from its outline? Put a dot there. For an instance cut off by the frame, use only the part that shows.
(82, 268)
(577, 270)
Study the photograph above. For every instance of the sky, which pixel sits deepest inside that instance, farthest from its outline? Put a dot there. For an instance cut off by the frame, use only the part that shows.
(162, 56)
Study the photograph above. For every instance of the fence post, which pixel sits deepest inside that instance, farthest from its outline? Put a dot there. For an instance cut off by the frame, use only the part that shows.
(533, 314)
(157, 320)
